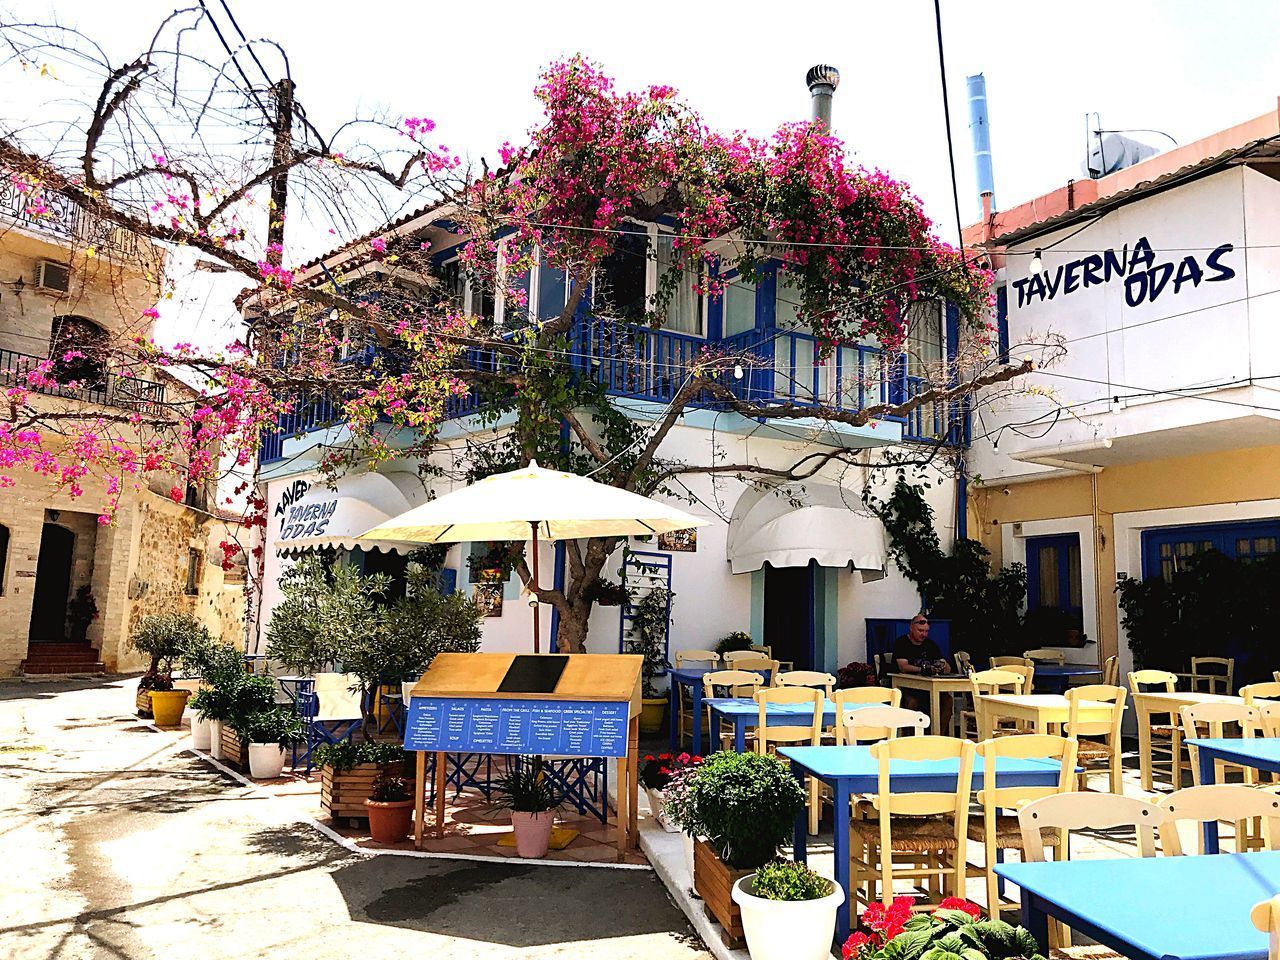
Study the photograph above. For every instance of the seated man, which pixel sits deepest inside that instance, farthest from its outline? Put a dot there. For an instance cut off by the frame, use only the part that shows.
(916, 653)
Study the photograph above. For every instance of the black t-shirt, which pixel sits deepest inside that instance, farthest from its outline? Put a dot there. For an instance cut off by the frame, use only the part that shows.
(926, 652)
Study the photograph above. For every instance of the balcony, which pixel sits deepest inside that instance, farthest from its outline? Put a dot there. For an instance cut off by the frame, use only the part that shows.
(641, 363)
(64, 220)
(110, 390)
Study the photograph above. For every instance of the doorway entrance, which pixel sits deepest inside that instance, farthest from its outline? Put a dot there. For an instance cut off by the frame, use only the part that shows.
(788, 614)
(53, 585)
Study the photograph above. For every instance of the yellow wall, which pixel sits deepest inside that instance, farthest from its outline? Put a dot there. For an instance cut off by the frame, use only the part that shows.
(1224, 477)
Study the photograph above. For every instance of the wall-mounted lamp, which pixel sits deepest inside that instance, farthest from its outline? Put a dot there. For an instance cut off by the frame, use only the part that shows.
(19, 285)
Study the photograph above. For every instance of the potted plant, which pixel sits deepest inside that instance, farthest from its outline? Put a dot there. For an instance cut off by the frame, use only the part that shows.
(738, 640)
(268, 734)
(82, 611)
(249, 696)
(348, 771)
(656, 774)
(390, 807)
(955, 928)
(856, 674)
(745, 804)
(163, 639)
(788, 912)
(209, 660)
(678, 810)
(532, 799)
(650, 617)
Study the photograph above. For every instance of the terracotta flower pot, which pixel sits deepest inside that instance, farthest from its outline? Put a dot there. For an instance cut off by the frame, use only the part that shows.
(167, 706)
(533, 832)
(390, 822)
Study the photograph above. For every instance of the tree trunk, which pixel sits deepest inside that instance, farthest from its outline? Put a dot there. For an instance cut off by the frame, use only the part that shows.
(571, 635)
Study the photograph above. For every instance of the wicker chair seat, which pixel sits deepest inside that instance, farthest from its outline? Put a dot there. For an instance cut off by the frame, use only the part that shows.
(1093, 951)
(1008, 833)
(1163, 730)
(910, 834)
(1090, 750)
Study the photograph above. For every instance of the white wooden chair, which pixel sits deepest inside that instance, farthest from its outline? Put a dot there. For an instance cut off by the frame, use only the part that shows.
(1099, 740)
(1111, 671)
(1212, 674)
(1215, 718)
(1231, 802)
(814, 679)
(737, 683)
(997, 663)
(873, 724)
(859, 696)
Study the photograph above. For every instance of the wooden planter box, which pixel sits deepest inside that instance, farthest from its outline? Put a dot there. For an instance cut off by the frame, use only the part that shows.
(714, 881)
(233, 755)
(143, 704)
(342, 795)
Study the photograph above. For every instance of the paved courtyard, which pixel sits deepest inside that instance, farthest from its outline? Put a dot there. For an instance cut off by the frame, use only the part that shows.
(118, 844)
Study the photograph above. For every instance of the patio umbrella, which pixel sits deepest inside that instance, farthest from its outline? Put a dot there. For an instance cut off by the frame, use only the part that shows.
(530, 503)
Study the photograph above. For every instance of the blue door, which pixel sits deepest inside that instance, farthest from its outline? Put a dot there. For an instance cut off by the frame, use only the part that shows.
(1053, 573)
(1165, 550)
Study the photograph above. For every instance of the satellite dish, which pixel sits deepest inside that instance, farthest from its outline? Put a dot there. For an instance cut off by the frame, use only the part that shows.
(1114, 152)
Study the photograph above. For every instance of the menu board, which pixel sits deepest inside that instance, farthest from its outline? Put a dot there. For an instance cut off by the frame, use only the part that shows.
(567, 728)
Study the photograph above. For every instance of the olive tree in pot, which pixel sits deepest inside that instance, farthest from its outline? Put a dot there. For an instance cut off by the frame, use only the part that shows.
(390, 807)
(164, 638)
(788, 912)
(210, 660)
(269, 733)
(532, 799)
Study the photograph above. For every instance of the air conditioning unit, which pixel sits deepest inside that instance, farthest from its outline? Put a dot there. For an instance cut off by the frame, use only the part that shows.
(51, 275)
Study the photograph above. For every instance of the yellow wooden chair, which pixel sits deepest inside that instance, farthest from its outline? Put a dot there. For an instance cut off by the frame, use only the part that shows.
(807, 734)
(1001, 832)
(1275, 675)
(1231, 802)
(1162, 732)
(753, 661)
(998, 662)
(1269, 714)
(930, 829)
(738, 683)
(1265, 916)
(814, 679)
(1111, 671)
(1099, 740)
(1268, 690)
(963, 663)
(685, 704)
(1215, 718)
(1212, 674)
(732, 656)
(987, 682)
(860, 695)
(1045, 655)
(874, 724)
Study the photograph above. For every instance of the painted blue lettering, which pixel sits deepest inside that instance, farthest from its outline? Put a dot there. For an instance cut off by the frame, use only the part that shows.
(1188, 272)
(1214, 262)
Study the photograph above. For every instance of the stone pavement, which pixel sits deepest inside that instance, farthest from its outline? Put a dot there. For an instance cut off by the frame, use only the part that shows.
(118, 844)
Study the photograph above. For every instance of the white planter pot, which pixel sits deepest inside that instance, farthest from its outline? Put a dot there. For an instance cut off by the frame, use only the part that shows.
(215, 739)
(787, 930)
(266, 760)
(688, 863)
(201, 731)
(656, 800)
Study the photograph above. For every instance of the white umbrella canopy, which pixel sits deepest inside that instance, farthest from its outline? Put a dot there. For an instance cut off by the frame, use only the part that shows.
(549, 504)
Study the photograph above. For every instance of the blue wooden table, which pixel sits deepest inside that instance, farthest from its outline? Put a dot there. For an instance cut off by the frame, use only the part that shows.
(743, 712)
(850, 770)
(1055, 677)
(1156, 908)
(1260, 753)
(691, 677)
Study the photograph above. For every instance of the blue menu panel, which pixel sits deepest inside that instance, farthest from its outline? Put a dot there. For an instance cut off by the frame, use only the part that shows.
(567, 728)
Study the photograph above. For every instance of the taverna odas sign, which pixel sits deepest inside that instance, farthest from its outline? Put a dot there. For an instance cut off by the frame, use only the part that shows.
(1146, 278)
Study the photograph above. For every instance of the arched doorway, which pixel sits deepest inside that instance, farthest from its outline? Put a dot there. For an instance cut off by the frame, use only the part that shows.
(53, 585)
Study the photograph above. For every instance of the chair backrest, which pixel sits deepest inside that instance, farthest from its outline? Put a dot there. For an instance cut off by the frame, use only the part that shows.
(338, 695)
(406, 691)
(768, 732)
(1265, 916)
(1216, 716)
(1045, 655)
(924, 802)
(873, 724)
(1208, 672)
(1092, 727)
(993, 798)
(886, 696)
(1269, 690)
(1095, 811)
(732, 656)
(995, 681)
(709, 657)
(767, 668)
(740, 683)
(1218, 801)
(1111, 671)
(963, 663)
(807, 678)
(761, 648)
(1275, 675)
(998, 662)
(1026, 670)
(1270, 714)
(1152, 678)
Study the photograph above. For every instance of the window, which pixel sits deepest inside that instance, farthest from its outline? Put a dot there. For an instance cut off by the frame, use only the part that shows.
(553, 287)
(1165, 551)
(192, 586)
(83, 343)
(739, 306)
(924, 340)
(1053, 572)
(4, 554)
(684, 309)
(621, 279)
(1002, 323)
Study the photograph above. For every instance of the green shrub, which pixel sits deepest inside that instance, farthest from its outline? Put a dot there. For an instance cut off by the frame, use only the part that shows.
(738, 640)
(166, 637)
(341, 757)
(248, 698)
(745, 804)
(788, 880)
(524, 788)
(277, 725)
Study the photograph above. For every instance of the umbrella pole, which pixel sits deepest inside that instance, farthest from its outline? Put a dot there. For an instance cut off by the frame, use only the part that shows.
(533, 525)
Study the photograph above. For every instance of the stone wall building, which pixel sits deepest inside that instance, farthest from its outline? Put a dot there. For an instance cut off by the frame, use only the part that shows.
(66, 283)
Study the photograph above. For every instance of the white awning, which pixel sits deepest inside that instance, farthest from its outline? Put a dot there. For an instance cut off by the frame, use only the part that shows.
(329, 517)
(802, 523)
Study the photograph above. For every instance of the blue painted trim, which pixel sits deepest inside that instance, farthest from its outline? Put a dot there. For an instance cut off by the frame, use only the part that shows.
(1002, 322)
(962, 501)
(1062, 543)
(826, 618)
(1222, 536)
(757, 604)
(767, 299)
(715, 310)
(951, 318)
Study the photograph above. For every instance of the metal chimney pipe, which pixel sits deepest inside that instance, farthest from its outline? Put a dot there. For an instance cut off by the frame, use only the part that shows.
(980, 128)
(822, 80)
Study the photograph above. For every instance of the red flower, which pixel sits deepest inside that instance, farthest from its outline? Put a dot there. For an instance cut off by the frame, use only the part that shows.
(857, 940)
(958, 903)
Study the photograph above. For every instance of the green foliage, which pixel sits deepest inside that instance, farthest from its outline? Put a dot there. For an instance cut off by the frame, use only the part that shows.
(947, 934)
(790, 881)
(324, 612)
(246, 699)
(388, 788)
(276, 725)
(745, 804)
(341, 757)
(164, 637)
(650, 619)
(738, 640)
(984, 608)
(526, 789)
(1212, 604)
(221, 667)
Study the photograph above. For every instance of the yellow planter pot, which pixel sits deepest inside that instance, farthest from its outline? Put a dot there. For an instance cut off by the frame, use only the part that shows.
(167, 706)
(652, 710)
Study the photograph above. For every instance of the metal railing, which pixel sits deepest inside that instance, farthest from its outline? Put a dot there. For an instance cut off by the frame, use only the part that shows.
(103, 387)
(62, 217)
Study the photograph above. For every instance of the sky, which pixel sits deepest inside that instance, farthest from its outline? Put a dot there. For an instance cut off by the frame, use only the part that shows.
(1185, 67)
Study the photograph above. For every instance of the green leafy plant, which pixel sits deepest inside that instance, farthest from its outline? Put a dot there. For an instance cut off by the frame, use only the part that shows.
(790, 881)
(650, 620)
(277, 725)
(388, 788)
(745, 804)
(345, 756)
(155, 681)
(81, 612)
(324, 612)
(984, 607)
(604, 592)
(247, 699)
(954, 931)
(738, 640)
(164, 638)
(524, 788)
(221, 667)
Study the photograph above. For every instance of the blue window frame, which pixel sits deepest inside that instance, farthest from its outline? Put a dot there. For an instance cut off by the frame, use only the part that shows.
(1166, 549)
(1002, 322)
(1053, 573)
